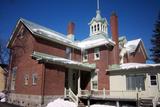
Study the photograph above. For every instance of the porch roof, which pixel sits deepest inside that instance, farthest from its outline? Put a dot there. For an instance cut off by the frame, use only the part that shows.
(46, 58)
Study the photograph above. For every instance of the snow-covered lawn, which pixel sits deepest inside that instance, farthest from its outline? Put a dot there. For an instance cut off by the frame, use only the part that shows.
(62, 103)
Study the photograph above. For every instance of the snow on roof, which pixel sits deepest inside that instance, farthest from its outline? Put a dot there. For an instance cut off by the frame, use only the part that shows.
(62, 61)
(137, 65)
(131, 46)
(92, 43)
(47, 33)
(101, 105)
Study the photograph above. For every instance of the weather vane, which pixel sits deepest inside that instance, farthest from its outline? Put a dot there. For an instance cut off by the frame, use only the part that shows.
(97, 4)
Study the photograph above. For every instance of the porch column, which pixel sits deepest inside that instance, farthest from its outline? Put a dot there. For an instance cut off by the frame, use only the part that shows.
(79, 83)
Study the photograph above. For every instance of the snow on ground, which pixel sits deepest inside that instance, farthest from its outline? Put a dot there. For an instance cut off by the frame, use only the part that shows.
(61, 103)
(2, 97)
(99, 105)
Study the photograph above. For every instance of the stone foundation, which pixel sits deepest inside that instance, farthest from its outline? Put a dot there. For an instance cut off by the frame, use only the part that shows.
(30, 100)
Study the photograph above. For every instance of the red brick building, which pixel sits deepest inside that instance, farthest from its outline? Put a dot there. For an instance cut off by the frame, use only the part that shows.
(45, 64)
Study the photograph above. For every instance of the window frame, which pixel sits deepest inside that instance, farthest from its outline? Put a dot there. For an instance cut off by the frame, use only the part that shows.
(85, 54)
(96, 52)
(94, 79)
(135, 82)
(68, 53)
(26, 79)
(13, 78)
(155, 80)
(34, 79)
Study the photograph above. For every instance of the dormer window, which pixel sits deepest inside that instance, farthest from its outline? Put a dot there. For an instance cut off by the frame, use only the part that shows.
(85, 56)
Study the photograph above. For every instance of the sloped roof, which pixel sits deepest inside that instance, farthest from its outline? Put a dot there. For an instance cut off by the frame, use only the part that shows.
(132, 45)
(94, 41)
(129, 66)
(53, 36)
(62, 61)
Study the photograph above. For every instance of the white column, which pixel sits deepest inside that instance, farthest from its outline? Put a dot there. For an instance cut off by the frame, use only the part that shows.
(79, 83)
(117, 104)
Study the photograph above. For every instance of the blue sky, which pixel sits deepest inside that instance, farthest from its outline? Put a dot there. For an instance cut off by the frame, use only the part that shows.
(136, 17)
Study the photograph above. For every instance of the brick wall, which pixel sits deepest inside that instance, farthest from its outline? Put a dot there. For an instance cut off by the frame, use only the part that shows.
(54, 80)
(102, 65)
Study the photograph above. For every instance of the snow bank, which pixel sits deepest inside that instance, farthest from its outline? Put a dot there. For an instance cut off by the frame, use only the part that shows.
(2, 97)
(99, 105)
(61, 103)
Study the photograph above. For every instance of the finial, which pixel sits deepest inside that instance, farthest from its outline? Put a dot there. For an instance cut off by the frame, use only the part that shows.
(97, 4)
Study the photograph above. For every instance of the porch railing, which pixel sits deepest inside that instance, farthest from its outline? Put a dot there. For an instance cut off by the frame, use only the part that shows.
(111, 94)
(69, 93)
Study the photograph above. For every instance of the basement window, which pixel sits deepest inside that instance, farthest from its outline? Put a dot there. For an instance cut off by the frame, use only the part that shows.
(34, 79)
(85, 56)
(153, 80)
(96, 54)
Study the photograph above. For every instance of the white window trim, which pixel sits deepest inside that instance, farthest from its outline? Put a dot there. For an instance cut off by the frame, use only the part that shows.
(96, 51)
(69, 53)
(33, 81)
(155, 80)
(13, 81)
(26, 76)
(85, 53)
(96, 71)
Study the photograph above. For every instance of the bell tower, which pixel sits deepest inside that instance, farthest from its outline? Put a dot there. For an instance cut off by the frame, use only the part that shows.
(98, 25)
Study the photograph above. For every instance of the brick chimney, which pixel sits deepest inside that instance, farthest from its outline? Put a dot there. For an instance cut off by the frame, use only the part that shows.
(70, 31)
(114, 31)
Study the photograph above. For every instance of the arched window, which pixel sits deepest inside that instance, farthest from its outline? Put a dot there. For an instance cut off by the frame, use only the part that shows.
(98, 27)
(94, 27)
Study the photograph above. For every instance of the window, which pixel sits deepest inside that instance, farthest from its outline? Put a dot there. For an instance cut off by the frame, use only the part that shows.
(68, 53)
(13, 79)
(96, 54)
(153, 80)
(26, 79)
(34, 79)
(94, 81)
(95, 28)
(135, 82)
(98, 27)
(85, 56)
(92, 29)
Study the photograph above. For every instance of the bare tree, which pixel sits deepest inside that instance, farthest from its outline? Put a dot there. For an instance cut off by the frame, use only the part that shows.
(4, 53)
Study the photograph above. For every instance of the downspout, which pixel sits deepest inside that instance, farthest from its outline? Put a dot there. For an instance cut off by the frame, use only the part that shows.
(43, 84)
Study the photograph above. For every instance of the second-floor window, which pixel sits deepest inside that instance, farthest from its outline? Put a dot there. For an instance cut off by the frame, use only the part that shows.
(85, 56)
(96, 54)
(68, 53)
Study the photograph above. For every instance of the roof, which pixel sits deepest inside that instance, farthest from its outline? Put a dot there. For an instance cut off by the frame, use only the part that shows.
(53, 36)
(62, 61)
(129, 66)
(94, 41)
(132, 45)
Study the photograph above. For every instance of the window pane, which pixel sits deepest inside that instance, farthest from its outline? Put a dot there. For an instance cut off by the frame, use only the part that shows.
(153, 80)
